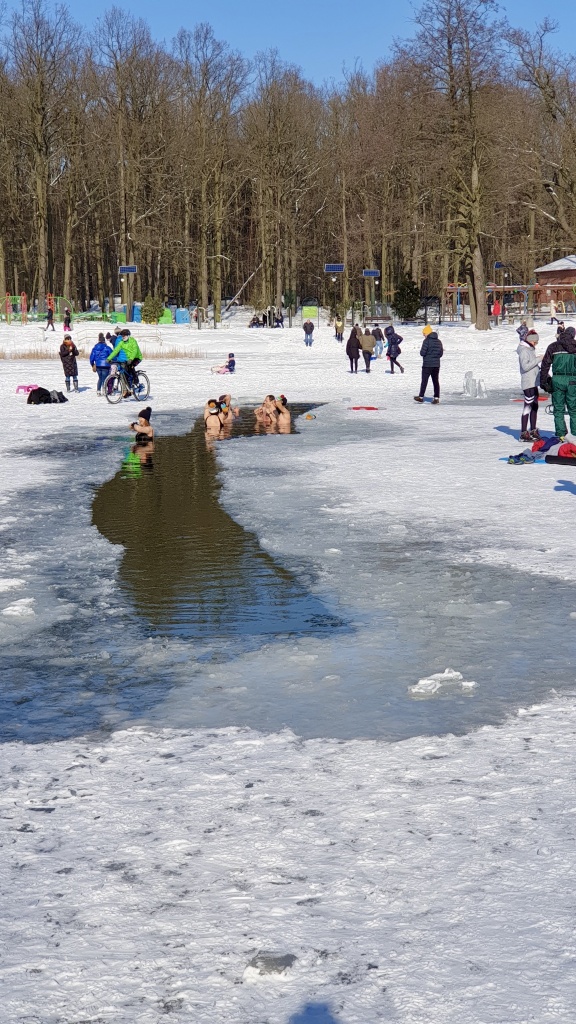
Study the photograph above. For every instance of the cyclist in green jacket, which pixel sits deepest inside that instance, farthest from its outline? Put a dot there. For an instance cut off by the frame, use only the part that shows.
(127, 352)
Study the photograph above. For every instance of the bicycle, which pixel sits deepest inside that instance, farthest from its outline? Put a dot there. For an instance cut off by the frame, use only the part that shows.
(117, 385)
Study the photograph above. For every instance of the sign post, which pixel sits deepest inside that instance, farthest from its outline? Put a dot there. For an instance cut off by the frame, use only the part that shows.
(334, 269)
(371, 275)
(126, 274)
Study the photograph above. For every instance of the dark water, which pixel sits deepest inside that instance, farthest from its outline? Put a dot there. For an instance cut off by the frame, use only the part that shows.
(191, 570)
(188, 575)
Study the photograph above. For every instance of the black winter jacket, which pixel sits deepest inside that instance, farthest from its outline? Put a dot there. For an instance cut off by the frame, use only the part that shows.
(564, 349)
(68, 355)
(353, 345)
(431, 350)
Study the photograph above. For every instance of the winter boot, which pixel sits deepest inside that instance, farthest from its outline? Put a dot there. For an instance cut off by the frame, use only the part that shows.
(525, 435)
(417, 398)
(67, 385)
(75, 385)
(435, 401)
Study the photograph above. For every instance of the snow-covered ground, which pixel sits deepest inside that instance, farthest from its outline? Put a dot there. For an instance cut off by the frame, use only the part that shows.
(428, 880)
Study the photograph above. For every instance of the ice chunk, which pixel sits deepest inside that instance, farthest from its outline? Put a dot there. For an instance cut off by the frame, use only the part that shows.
(10, 584)
(439, 681)
(269, 963)
(20, 609)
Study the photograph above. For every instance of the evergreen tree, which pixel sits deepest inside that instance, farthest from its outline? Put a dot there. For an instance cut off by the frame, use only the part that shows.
(407, 301)
(152, 310)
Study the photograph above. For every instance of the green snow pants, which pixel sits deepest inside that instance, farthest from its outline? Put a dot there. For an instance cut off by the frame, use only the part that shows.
(564, 396)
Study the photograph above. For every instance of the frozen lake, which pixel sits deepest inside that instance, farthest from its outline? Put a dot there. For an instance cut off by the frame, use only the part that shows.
(191, 622)
(177, 834)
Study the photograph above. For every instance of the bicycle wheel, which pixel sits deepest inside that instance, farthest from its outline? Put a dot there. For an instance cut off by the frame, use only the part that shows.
(141, 388)
(114, 387)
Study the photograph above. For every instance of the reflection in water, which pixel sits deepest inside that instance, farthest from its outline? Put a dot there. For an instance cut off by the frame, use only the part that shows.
(190, 569)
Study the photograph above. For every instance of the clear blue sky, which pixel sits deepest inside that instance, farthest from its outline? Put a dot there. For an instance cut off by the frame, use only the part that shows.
(319, 36)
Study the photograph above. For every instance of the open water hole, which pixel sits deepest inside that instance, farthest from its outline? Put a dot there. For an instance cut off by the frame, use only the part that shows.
(191, 623)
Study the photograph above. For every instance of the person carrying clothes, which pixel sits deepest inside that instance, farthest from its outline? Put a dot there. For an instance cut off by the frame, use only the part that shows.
(379, 339)
(431, 352)
(529, 380)
(522, 331)
(353, 348)
(560, 360)
(68, 353)
(99, 361)
(393, 349)
(127, 352)
(308, 333)
(368, 342)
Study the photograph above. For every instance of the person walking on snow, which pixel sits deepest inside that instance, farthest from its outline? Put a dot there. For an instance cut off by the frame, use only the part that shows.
(49, 318)
(308, 333)
(353, 350)
(393, 350)
(529, 380)
(560, 359)
(68, 353)
(367, 341)
(379, 338)
(431, 352)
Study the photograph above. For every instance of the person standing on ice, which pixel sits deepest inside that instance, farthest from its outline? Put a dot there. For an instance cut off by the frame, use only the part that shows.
(560, 358)
(68, 353)
(529, 380)
(432, 351)
(49, 318)
(308, 333)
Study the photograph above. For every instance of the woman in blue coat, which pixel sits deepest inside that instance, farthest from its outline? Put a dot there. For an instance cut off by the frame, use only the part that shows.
(98, 361)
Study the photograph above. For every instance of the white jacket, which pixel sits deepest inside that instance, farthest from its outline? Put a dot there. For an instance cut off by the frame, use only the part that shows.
(529, 365)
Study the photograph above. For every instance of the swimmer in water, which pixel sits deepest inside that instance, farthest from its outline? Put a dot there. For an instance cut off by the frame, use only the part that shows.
(264, 413)
(144, 432)
(213, 417)
(278, 412)
(229, 412)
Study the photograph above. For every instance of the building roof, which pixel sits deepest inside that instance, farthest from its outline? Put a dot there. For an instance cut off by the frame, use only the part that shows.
(566, 263)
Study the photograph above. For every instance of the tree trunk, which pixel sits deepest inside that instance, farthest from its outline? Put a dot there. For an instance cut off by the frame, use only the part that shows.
(479, 289)
(203, 254)
(2, 270)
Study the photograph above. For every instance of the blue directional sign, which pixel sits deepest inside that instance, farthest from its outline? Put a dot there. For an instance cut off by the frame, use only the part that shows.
(370, 273)
(333, 268)
(128, 270)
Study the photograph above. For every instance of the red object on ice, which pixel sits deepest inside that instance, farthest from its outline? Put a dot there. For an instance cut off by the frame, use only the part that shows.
(27, 388)
(370, 408)
(541, 398)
